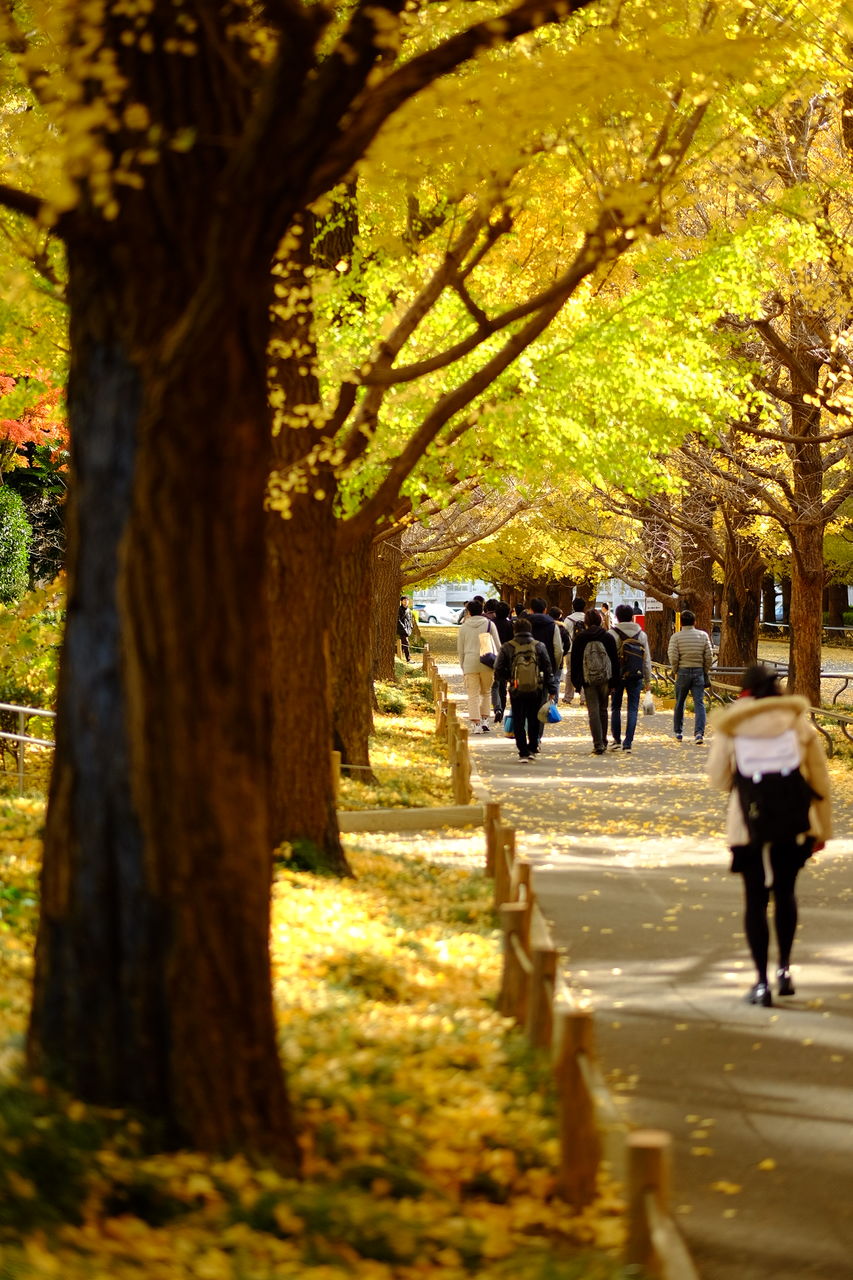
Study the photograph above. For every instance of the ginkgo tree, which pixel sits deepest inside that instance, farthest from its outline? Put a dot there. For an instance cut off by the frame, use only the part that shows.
(173, 149)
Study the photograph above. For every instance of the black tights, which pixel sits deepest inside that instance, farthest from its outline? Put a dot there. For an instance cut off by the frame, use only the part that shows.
(784, 915)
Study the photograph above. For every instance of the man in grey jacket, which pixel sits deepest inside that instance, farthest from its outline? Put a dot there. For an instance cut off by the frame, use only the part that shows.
(690, 657)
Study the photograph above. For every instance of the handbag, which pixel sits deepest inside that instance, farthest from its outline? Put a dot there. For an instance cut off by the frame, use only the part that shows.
(554, 716)
(542, 713)
(648, 704)
(488, 657)
(508, 729)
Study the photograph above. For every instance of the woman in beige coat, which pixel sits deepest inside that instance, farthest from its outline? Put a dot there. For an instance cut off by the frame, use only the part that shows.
(761, 714)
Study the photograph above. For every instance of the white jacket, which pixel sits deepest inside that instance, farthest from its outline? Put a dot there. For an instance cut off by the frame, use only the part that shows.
(468, 643)
(765, 718)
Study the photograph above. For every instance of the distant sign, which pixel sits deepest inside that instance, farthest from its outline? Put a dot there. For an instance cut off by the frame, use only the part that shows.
(653, 606)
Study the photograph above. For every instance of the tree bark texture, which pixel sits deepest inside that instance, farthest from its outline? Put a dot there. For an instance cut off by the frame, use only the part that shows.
(152, 983)
(807, 528)
(743, 578)
(300, 551)
(387, 572)
(696, 585)
(837, 603)
(352, 593)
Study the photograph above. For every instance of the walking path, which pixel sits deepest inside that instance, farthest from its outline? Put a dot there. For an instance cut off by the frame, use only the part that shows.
(632, 870)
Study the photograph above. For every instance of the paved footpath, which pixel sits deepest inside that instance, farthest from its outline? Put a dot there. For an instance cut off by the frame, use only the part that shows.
(632, 870)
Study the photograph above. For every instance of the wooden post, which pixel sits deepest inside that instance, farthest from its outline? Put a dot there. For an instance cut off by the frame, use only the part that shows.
(425, 660)
(649, 1170)
(336, 775)
(491, 822)
(462, 792)
(512, 997)
(540, 1000)
(452, 726)
(580, 1147)
(504, 857)
(441, 710)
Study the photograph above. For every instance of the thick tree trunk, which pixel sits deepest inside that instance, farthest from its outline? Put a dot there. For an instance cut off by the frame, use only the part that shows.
(300, 554)
(696, 585)
(152, 983)
(387, 572)
(352, 593)
(743, 577)
(303, 629)
(659, 625)
(837, 603)
(807, 574)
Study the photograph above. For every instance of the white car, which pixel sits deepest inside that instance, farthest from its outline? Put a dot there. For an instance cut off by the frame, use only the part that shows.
(437, 614)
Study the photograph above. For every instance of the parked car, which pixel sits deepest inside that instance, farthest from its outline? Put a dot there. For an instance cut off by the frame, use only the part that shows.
(437, 614)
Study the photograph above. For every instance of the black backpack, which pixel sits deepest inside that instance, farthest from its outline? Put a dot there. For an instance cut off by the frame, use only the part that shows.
(631, 657)
(775, 802)
(525, 674)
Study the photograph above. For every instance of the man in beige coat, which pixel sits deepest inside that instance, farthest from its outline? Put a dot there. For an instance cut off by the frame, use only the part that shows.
(763, 721)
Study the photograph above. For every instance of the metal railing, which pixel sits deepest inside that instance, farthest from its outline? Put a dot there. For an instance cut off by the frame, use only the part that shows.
(21, 738)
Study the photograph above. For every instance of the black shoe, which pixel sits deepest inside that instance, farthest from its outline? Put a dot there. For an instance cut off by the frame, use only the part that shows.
(786, 986)
(760, 994)
(598, 751)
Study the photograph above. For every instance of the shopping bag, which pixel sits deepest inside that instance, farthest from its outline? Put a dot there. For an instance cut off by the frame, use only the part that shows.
(554, 716)
(508, 730)
(648, 704)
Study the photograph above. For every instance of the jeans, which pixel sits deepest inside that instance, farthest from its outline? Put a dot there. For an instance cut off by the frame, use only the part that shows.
(596, 710)
(633, 688)
(525, 721)
(689, 680)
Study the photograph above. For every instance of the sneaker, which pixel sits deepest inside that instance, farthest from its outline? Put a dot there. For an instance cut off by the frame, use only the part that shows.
(678, 737)
(626, 750)
(786, 986)
(598, 751)
(475, 728)
(616, 746)
(699, 740)
(760, 994)
(524, 759)
(485, 728)
(498, 717)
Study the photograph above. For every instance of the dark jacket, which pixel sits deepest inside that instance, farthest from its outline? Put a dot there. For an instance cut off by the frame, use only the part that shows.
(503, 626)
(404, 621)
(544, 629)
(503, 667)
(580, 643)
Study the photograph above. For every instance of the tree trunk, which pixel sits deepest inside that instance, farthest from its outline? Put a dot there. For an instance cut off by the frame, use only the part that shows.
(696, 585)
(807, 528)
(152, 982)
(768, 598)
(837, 603)
(743, 577)
(387, 574)
(659, 625)
(300, 551)
(806, 614)
(352, 593)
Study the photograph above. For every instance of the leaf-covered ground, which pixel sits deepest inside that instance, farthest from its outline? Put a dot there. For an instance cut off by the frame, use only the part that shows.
(426, 1124)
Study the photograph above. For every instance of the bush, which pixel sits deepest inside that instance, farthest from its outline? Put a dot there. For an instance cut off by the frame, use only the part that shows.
(15, 537)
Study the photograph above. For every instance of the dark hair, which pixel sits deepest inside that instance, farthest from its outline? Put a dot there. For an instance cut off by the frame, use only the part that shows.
(537, 604)
(491, 606)
(624, 613)
(502, 609)
(555, 613)
(578, 605)
(761, 682)
(482, 599)
(521, 624)
(593, 618)
(687, 618)
(605, 605)
(475, 607)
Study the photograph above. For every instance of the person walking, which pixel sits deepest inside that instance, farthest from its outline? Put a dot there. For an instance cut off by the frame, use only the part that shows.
(594, 668)
(606, 620)
(498, 613)
(690, 657)
(404, 626)
(477, 638)
(523, 664)
(574, 623)
(634, 668)
(766, 752)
